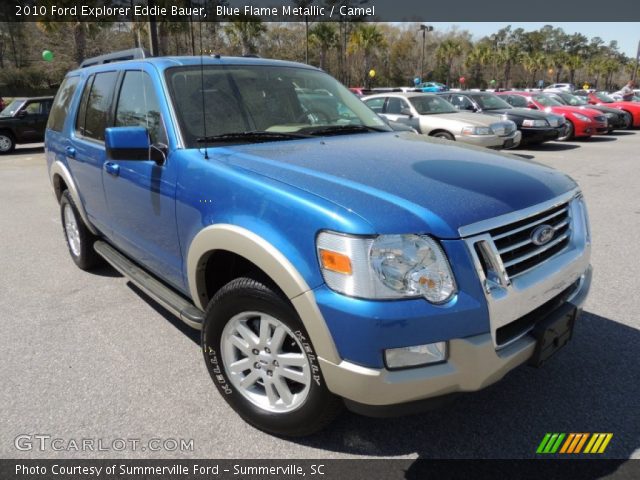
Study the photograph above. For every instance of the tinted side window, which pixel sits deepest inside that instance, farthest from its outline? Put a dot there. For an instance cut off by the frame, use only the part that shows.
(97, 114)
(61, 103)
(138, 105)
(35, 108)
(375, 104)
(395, 105)
(518, 101)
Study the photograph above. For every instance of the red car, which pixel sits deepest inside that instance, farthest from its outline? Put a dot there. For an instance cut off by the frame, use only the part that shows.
(600, 98)
(580, 122)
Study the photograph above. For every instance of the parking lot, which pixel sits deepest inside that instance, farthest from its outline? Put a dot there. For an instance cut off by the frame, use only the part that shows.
(87, 355)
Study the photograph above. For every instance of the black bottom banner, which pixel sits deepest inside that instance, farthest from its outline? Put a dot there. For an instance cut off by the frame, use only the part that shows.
(114, 469)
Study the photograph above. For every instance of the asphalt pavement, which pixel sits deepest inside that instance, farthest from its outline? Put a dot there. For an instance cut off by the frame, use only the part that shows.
(88, 356)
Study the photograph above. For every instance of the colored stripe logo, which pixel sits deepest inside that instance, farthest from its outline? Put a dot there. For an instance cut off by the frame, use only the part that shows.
(574, 443)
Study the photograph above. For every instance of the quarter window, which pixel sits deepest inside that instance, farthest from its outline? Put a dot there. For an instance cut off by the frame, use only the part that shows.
(61, 104)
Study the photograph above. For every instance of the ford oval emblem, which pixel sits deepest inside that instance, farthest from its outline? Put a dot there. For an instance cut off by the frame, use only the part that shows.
(542, 234)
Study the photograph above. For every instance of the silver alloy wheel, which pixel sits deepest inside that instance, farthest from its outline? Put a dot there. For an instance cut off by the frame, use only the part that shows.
(71, 229)
(265, 362)
(5, 143)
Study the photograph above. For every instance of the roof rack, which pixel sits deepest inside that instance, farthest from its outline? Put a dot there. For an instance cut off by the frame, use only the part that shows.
(131, 54)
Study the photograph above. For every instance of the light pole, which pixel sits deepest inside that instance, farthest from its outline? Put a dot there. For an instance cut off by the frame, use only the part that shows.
(424, 28)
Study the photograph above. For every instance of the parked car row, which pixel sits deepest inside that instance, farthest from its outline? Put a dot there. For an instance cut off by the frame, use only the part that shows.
(524, 118)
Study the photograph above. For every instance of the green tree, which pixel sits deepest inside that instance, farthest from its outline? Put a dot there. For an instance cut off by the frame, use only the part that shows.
(446, 53)
(366, 38)
(325, 37)
(245, 31)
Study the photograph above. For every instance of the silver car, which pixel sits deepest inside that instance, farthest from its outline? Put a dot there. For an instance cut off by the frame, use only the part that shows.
(432, 115)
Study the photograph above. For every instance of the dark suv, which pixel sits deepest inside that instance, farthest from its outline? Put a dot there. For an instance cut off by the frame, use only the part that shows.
(23, 121)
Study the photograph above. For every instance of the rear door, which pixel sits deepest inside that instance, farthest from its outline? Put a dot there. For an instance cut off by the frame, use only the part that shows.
(141, 194)
(86, 151)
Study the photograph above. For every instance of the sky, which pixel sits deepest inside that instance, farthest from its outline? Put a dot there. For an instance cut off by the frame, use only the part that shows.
(626, 33)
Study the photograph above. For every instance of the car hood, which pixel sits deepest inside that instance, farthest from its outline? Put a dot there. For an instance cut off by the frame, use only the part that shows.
(524, 113)
(404, 182)
(564, 109)
(468, 118)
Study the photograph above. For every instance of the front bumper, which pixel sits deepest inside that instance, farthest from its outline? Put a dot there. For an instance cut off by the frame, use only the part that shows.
(532, 136)
(473, 363)
(492, 141)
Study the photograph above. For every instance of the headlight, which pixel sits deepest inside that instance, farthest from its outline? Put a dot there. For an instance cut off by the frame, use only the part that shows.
(386, 267)
(535, 123)
(477, 131)
(579, 116)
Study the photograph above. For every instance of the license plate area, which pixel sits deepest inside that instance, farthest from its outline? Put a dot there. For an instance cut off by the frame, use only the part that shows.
(552, 334)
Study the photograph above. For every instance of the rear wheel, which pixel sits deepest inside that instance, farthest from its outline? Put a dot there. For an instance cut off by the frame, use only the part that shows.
(78, 237)
(568, 132)
(7, 142)
(446, 135)
(262, 360)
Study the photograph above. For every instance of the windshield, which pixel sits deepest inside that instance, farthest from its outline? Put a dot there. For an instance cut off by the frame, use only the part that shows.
(490, 102)
(546, 101)
(12, 108)
(241, 99)
(430, 104)
(573, 100)
(604, 98)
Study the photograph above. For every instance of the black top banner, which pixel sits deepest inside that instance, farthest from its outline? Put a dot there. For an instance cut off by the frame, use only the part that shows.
(321, 10)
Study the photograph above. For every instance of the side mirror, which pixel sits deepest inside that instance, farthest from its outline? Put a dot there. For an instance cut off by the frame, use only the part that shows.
(406, 111)
(127, 143)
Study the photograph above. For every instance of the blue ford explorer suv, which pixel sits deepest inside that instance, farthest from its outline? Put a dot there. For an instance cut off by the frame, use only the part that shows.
(328, 260)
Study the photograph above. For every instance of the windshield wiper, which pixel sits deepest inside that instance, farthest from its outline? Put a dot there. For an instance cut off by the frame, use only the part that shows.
(341, 129)
(251, 137)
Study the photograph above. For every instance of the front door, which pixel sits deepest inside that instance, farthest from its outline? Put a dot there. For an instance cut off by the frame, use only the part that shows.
(141, 194)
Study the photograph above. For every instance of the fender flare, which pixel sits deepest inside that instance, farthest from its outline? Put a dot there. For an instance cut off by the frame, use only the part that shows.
(58, 168)
(270, 260)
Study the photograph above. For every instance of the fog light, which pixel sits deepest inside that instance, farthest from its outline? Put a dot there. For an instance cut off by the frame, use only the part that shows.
(415, 356)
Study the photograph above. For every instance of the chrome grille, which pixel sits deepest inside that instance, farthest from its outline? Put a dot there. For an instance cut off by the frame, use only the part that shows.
(504, 128)
(515, 244)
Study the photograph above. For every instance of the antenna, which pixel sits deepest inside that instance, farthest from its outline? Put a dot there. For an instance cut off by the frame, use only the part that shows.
(204, 116)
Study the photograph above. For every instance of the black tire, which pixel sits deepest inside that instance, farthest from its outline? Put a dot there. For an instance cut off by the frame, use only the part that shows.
(249, 295)
(445, 135)
(7, 142)
(82, 254)
(569, 132)
(628, 120)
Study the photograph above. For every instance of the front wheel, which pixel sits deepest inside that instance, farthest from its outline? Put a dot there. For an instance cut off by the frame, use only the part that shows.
(262, 361)
(568, 132)
(445, 135)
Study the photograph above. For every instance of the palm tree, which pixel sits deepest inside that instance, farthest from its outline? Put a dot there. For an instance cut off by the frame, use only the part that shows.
(509, 55)
(368, 39)
(447, 52)
(479, 57)
(573, 63)
(325, 36)
(533, 62)
(245, 30)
